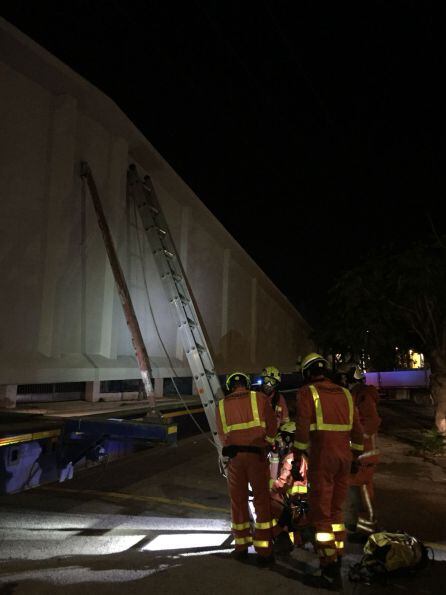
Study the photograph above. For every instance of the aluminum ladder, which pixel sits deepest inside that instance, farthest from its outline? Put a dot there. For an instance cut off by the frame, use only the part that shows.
(175, 285)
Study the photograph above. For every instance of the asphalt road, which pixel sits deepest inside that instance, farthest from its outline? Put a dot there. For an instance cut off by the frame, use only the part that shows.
(158, 522)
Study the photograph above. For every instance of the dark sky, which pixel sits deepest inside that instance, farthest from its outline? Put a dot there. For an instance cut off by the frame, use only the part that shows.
(313, 130)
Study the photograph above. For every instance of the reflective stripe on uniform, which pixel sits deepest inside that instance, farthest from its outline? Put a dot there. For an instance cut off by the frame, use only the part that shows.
(338, 527)
(300, 445)
(320, 424)
(266, 525)
(271, 483)
(354, 446)
(297, 490)
(339, 545)
(370, 453)
(240, 526)
(323, 537)
(254, 423)
(256, 543)
(267, 438)
(243, 540)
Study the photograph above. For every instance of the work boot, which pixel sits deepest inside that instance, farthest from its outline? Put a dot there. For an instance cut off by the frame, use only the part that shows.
(327, 577)
(265, 561)
(283, 544)
(240, 555)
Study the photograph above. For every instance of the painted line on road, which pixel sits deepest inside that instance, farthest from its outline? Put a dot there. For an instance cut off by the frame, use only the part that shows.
(124, 496)
(435, 546)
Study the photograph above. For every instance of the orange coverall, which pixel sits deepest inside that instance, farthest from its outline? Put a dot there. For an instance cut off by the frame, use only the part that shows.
(365, 398)
(328, 424)
(246, 418)
(280, 408)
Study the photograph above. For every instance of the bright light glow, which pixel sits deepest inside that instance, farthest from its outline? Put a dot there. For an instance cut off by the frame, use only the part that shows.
(181, 541)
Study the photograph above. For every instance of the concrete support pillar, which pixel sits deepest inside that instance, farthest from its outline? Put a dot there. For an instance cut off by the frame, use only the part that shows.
(92, 391)
(159, 388)
(8, 395)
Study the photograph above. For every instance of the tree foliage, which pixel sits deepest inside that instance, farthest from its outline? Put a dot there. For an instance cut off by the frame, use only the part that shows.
(390, 300)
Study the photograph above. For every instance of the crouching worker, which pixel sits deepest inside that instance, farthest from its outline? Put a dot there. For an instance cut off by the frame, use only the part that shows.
(247, 425)
(289, 493)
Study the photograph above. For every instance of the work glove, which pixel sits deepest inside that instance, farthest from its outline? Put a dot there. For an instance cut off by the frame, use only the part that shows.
(354, 467)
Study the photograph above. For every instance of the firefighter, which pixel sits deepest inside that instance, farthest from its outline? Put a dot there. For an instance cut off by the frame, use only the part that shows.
(365, 398)
(246, 425)
(289, 493)
(271, 379)
(270, 386)
(328, 424)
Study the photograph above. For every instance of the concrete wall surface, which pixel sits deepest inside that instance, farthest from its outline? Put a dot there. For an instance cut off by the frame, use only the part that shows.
(60, 315)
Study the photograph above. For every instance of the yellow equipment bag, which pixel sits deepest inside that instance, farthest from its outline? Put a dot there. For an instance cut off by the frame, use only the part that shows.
(388, 554)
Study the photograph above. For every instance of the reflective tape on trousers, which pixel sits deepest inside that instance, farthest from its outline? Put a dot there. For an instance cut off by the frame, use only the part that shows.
(339, 545)
(266, 525)
(254, 423)
(260, 543)
(320, 424)
(322, 537)
(240, 526)
(338, 527)
(243, 540)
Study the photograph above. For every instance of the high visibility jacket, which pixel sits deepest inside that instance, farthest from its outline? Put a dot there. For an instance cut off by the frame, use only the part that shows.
(246, 418)
(365, 398)
(327, 420)
(280, 408)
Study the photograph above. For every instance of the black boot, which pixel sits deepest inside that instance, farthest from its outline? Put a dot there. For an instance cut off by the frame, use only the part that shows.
(327, 577)
(283, 544)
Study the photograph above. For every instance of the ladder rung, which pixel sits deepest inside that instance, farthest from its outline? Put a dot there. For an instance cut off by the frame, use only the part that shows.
(208, 373)
(177, 278)
(154, 209)
(183, 298)
(191, 322)
(168, 254)
(200, 348)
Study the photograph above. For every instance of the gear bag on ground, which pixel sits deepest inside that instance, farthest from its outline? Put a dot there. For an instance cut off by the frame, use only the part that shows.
(386, 554)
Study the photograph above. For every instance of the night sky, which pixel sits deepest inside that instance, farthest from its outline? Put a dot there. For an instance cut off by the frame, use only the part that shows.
(314, 131)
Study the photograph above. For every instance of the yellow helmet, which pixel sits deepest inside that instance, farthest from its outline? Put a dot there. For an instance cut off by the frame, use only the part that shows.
(289, 427)
(312, 358)
(237, 377)
(271, 372)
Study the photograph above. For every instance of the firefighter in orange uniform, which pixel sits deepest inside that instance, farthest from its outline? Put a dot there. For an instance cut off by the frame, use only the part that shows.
(271, 379)
(289, 493)
(270, 386)
(365, 398)
(247, 425)
(327, 423)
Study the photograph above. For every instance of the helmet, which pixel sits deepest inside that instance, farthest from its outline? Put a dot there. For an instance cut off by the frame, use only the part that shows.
(241, 377)
(289, 427)
(313, 359)
(272, 373)
(358, 374)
